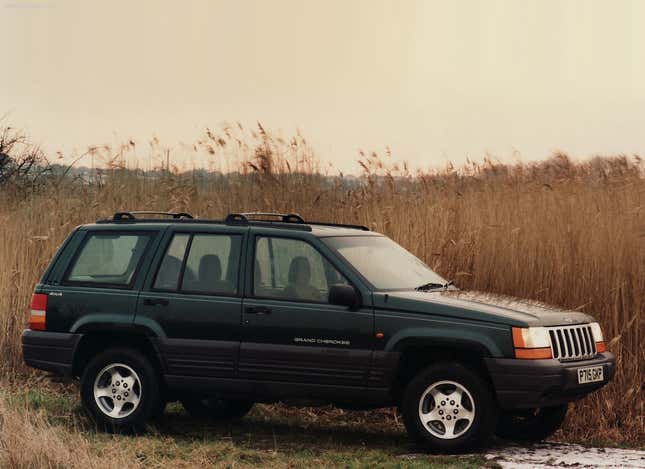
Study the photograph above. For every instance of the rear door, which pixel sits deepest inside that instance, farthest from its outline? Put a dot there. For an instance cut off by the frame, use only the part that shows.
(290, 332)
(192, 301)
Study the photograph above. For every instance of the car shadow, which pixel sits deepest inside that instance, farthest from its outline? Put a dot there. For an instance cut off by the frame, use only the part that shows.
(261, 430)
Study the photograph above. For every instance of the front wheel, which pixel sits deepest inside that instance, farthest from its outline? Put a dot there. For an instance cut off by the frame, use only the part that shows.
(531, 425)
(216, 409)
(449, 408)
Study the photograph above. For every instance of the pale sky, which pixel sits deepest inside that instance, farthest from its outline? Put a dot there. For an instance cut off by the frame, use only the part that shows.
(433, 80)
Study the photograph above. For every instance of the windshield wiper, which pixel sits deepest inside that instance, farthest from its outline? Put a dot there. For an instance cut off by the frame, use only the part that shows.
(433, 286)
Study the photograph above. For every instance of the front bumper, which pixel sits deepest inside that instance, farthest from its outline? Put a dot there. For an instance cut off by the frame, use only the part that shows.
(525, 384)
(50, 351)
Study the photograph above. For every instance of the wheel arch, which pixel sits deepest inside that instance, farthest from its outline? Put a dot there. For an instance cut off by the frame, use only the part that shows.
(98, 338)
(417, 352)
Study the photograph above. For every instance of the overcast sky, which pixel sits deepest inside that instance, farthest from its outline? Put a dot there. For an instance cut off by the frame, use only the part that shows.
(434, 80)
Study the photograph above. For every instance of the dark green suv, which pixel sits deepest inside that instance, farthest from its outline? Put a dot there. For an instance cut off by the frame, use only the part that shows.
(219, 314)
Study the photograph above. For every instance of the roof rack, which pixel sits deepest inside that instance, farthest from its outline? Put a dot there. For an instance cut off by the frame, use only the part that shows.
(339, 225)
(119, 216)
(264, 216)
(294, 218)
(285, 220)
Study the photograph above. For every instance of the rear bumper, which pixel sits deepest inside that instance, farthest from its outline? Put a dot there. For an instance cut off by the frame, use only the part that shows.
(524, 384)
(50, 351)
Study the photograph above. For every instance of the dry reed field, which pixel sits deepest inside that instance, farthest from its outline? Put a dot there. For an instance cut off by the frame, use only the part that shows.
(567, 233)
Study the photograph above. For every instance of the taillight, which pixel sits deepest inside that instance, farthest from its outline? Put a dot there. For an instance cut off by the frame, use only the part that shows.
(38, 312)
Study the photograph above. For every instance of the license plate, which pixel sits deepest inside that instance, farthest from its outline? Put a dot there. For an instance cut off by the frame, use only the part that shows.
(590, 374)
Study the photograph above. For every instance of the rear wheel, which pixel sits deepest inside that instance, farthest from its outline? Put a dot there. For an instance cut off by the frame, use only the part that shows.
(531, 424)
(449, 408)
(216, 409)
(119, 388)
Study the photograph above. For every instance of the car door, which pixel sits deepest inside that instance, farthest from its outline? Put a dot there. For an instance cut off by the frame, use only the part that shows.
(290, 332)
(192, 301)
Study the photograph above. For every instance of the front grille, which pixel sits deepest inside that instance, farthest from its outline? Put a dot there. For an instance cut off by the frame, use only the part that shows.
(570, 343)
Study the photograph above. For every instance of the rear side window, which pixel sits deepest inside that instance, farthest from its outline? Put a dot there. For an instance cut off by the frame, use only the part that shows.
(108, 259)
(201, 263)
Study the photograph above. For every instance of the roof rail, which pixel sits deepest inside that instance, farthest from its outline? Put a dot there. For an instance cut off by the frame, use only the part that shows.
(287, 220)
(264, 216)
(294, 218)
(340, 225)
(120, 216)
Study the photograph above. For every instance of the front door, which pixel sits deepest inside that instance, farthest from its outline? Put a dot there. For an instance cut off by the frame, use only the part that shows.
(290, 332)
(192, 301)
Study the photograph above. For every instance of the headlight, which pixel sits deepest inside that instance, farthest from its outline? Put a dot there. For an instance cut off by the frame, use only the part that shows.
(596, 331)
(531, 343)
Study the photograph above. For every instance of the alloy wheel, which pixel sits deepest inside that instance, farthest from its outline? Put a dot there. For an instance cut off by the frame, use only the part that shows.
(446, 409)
(117, 390)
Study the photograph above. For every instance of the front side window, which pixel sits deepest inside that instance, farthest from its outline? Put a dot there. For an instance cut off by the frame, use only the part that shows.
(201, 263)
(109, 259)
(383, 263)
(292, 269)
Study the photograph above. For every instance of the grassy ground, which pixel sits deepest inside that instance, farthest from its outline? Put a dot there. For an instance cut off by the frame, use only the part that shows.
(43, 425)
(270, 436)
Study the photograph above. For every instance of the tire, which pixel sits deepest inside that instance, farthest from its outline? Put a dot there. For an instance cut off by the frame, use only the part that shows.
(531, 425)
(460, 424)
(216, 409)
(126, 386)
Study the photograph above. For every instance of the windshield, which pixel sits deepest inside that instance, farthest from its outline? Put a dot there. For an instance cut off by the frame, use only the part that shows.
(383, 263)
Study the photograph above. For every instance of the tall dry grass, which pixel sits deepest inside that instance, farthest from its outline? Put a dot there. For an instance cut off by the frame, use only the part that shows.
(571, 234)
(29, 441)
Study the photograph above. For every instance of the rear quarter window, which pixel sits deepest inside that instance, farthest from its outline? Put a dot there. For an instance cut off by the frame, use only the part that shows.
(108, 259)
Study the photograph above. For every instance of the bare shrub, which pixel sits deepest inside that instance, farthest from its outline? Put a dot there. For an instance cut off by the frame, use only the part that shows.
(23, 166)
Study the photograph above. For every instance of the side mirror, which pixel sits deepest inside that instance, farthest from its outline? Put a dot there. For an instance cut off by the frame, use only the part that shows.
(344, 295)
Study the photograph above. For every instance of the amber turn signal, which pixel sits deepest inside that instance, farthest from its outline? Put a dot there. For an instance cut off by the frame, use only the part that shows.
(533, 353)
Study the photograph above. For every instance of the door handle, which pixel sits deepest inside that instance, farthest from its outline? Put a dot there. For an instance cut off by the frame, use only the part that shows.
(257, 310)
(155, 302)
